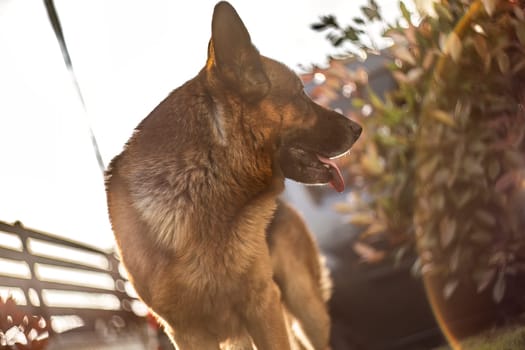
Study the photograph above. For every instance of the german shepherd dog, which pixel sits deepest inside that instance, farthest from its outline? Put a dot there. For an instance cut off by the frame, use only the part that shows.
(193, 201)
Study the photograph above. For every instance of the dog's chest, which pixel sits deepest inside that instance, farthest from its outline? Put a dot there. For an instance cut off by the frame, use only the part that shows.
(207, 295)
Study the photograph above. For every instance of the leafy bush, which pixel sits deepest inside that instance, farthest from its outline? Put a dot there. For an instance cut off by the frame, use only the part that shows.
(20, 331)
(440, 166)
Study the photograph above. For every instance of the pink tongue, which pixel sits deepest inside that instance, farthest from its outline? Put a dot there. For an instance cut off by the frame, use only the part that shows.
(337, 181)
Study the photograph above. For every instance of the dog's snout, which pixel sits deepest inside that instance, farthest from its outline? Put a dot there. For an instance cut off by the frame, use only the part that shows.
(356, 128)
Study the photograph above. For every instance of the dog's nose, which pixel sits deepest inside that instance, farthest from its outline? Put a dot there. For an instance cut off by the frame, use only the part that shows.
(356, 129)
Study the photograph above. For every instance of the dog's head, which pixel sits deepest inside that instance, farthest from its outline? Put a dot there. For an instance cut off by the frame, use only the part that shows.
(306, 136)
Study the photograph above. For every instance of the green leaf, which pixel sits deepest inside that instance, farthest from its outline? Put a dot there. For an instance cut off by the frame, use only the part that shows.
(487, 61)
(318, 26)
(403, 54)
(514, 158)
(485, 217)
(464, 198)
(415, 270)
(490, 6)
(393, 117)
(484, 278)
(450, 288)
(428, 168)
(428, 268)
(480, 44)
(362, 219)
(494, 169)
(374, 229)
(443, 117)
(447, 231)
(438, 201)
(351, 33)
(400, 77)
(441, 176)
(338, 41)
(443, 12)
(506, 181)
(481, 237)
(414, 75)
(343, 207)
(503, 62)
(462, 110)
(330, 21)
(518, 67)
(477, 146)
(520, 31)
(358, 20)
(358, 103)
(498, 258)
(405, 12)
(400, 254)
(498, 292)
(372, 163)
(454, 259)
(370, 13)
(428, 60)
(472, 166)
(375, 100)
(518, 12)
(453, 46)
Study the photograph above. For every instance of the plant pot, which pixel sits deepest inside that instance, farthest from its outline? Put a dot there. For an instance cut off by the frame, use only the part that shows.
(464, 313)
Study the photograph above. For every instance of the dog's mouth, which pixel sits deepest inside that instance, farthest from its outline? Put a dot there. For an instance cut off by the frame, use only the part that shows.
(312, 168)
(337, 181)
(307, 155)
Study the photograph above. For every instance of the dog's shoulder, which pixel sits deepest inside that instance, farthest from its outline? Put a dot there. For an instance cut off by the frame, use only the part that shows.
(166, 162)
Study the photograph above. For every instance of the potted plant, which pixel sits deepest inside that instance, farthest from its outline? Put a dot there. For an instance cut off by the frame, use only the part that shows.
(440, 166)
(20, 330)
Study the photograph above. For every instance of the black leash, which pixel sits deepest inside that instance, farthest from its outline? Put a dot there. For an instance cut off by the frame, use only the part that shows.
(57, 28)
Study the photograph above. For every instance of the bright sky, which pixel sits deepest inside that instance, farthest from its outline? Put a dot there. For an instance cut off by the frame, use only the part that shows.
(128, 55)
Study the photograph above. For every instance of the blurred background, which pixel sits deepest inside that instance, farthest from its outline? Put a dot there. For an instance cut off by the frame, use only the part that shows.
(426, 245)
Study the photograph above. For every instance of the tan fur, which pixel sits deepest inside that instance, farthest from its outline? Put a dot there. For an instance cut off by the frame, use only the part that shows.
(191, 197)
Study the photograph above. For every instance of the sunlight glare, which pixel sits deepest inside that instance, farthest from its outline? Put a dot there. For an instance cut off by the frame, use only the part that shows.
(10, 241)
(80, 300)
(51, 273)
(61, 324)
(14, 268)
(55, 251)
(16, 293)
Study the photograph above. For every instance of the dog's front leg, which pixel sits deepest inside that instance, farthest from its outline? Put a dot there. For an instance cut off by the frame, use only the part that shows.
(266, 323)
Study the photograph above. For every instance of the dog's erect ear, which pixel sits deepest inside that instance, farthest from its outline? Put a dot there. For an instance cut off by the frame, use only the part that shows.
(231, 53)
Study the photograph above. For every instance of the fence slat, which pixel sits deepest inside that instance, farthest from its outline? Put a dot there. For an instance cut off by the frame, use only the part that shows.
(88, 314)
(22, 256)
(22, 232)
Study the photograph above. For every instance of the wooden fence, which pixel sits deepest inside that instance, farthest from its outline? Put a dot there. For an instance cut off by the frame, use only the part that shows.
(73, 286)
